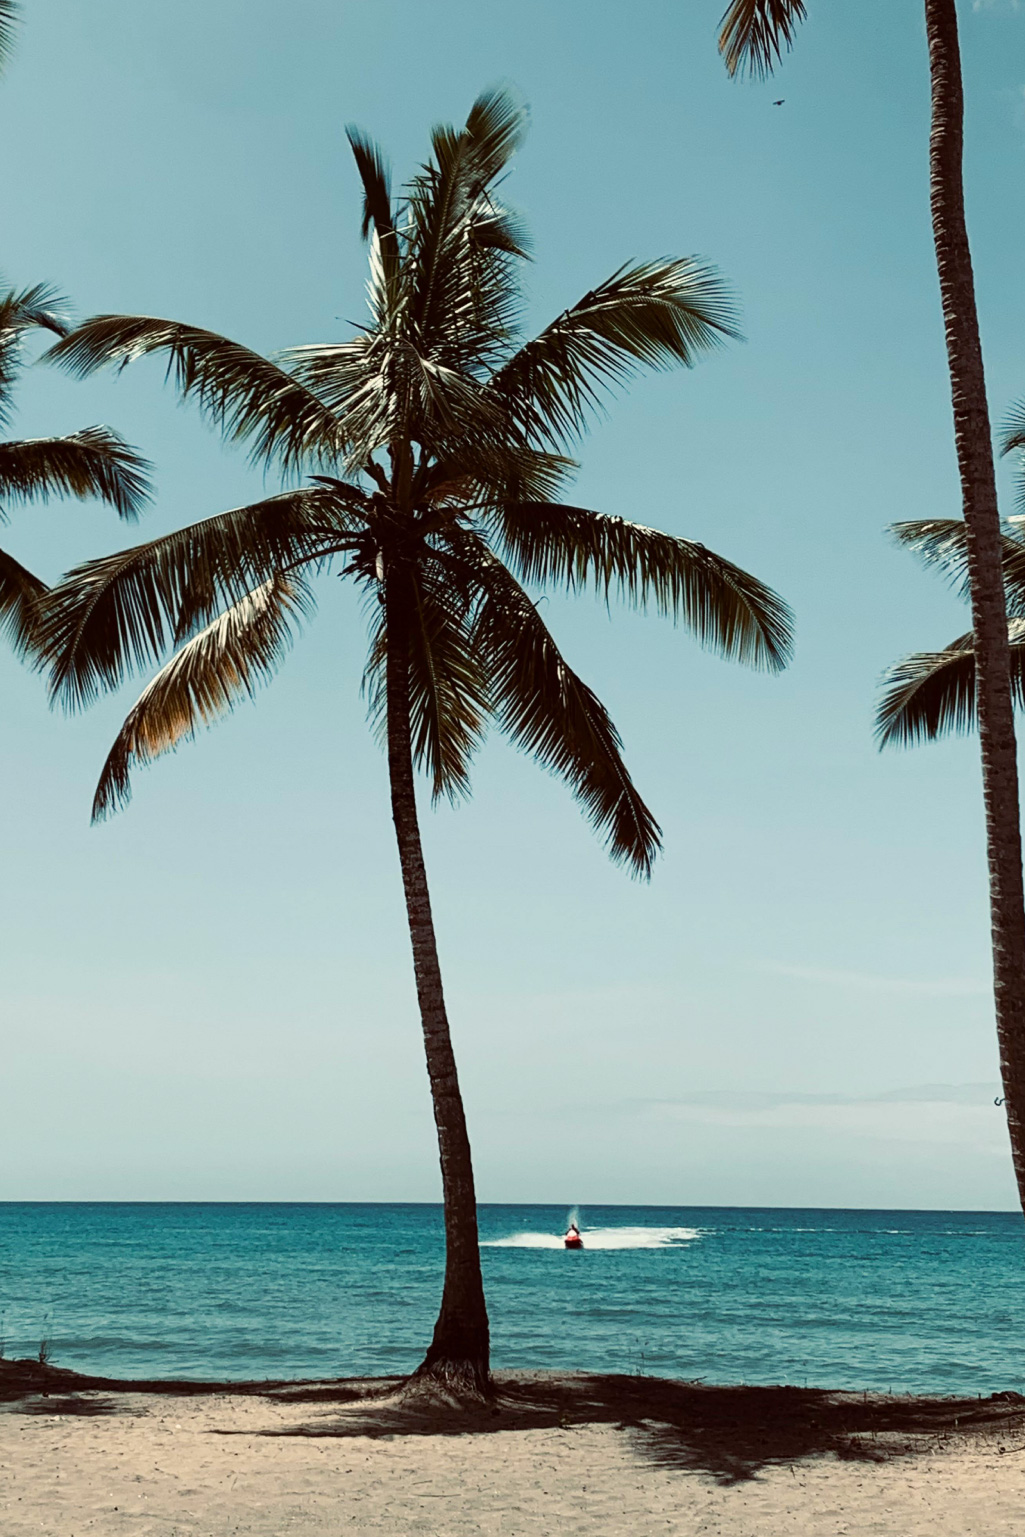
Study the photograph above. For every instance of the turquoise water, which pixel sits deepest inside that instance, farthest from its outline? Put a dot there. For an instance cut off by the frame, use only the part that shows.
(913, 1301)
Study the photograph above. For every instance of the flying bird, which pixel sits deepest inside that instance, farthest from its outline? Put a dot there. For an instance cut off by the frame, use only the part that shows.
(780, 102)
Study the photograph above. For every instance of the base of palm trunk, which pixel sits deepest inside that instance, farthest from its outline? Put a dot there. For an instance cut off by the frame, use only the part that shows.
(456, 1368)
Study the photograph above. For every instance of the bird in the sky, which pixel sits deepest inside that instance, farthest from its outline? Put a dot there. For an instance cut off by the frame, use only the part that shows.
(780, 102)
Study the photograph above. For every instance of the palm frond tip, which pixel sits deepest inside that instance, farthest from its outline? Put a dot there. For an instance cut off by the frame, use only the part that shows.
(210, 675)
(754, 34)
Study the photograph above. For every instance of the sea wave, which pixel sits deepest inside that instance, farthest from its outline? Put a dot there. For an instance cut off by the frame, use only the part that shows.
(602, 1238)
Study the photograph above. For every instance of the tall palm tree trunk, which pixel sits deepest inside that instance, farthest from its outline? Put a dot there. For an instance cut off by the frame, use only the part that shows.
(982, 526)
(458, 1360)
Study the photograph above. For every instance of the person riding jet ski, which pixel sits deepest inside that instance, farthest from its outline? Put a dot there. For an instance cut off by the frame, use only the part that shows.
(573, 1239)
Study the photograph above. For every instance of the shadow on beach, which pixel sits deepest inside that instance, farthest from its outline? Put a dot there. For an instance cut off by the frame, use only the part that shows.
(728, 1433)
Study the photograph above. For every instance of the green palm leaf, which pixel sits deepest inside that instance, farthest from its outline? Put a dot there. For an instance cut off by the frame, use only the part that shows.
(1013, 435)
(37, 307)
(932, 693)
(113, 615)
(93, 462)
(1012, 440)
(10, 15)
(247, 396)
(221, 665)
(729, 610)
(654, 314)
(446, 199)
(754, 34)
(376, 179)
(547, 710)
(448, 693)
(942, 543)
(20, 595)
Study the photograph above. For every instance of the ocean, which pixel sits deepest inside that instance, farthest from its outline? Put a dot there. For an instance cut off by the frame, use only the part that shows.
(924, 1302)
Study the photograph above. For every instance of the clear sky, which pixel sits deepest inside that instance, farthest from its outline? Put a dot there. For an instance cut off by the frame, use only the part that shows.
(211, 997)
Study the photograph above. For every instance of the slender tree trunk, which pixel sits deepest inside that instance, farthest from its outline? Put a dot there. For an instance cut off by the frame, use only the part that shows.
(458, 1360)
(982, 524)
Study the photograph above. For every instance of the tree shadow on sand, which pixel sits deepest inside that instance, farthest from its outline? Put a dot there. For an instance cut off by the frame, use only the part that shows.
(728, 1433)
(70, 1404)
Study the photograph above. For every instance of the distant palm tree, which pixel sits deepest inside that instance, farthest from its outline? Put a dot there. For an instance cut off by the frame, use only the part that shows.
(754, 35)
(439, 441)
(92, 462)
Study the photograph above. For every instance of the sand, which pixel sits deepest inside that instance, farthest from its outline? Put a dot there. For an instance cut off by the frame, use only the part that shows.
(564, 1455)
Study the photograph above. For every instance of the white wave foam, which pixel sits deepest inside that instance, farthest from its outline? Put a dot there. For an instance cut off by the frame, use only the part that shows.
(602, 1238)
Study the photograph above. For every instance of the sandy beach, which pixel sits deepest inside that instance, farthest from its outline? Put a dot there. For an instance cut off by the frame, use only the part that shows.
(578, 1454)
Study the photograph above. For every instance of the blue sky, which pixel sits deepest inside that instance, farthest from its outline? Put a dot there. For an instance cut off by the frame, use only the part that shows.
(210, 997)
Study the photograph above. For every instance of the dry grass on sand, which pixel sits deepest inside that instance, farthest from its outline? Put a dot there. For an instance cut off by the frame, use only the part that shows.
(566, 1454)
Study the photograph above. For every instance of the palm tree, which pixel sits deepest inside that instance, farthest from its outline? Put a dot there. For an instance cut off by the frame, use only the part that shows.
(92, 462)
(754, 35)
(438, 442)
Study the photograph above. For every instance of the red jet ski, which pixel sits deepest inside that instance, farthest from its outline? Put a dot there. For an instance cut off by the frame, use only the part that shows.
(573, 1239)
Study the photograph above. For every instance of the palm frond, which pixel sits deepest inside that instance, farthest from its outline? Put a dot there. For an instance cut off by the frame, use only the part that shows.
(928, 694)
(495, 125)
(378, 222)
(37, 307)
(943, 543)
(376, 178)
(459, 276)
(653, 315)
(448, 697)
(93, 462)
(753, 34)
(939, 541)
(550, 712)
(1013, 434)
(727, 609)
(10, 15)
(40, 305)
(113, 615)
(931, 693)
(940, 544)
(357, 381)
(381, 393)
(20, 596)
(484, 475)
(247, 396)
(221, 665)
(1012, 440)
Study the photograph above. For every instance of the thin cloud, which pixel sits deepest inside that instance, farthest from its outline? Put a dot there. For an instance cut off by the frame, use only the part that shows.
(914, 1094)
(871, 982)
(939, 1115)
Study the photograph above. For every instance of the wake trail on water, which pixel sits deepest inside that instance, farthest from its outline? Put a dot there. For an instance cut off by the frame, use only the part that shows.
(602, 1238)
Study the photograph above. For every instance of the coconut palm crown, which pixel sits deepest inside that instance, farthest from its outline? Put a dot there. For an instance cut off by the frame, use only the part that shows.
(434, 443)
(94, 462)
(441, 445)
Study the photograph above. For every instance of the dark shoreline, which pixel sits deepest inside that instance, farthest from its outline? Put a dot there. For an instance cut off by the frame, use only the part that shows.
(727, 1432)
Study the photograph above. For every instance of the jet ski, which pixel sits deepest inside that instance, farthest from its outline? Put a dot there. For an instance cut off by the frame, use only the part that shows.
(573, 1239)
